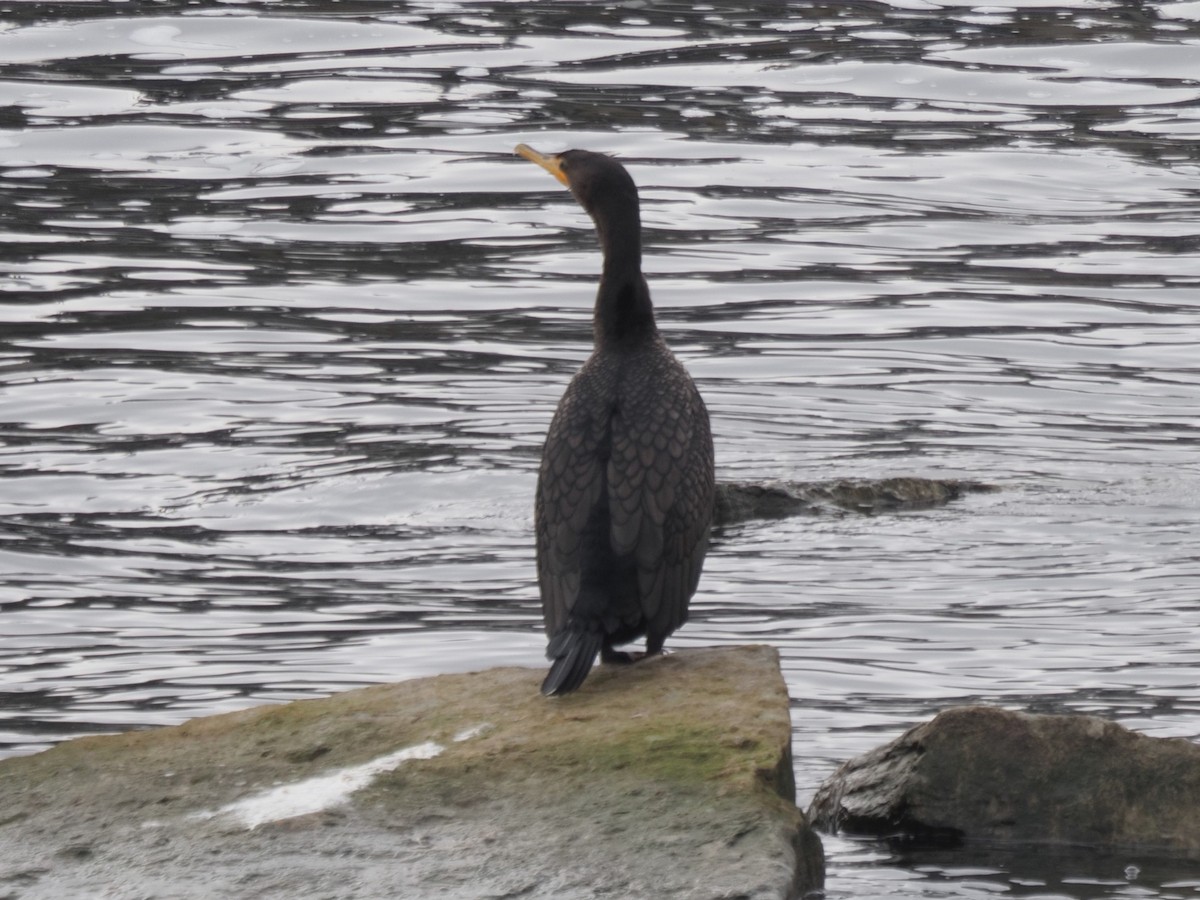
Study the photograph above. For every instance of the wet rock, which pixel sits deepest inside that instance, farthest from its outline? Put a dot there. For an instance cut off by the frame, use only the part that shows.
(668, 779)
(738, 501)
(982, 774)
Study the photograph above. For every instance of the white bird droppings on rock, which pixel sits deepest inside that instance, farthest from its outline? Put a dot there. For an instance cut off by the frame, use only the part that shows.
(316, 794)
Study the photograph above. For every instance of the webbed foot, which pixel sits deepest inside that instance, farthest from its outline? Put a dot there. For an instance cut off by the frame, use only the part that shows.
(618, 657)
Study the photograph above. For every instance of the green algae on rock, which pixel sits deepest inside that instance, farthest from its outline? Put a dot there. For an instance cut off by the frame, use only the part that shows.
(671, 778)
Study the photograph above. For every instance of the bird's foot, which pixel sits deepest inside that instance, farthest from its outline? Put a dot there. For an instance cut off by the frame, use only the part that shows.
(618, 657)
(627, 657)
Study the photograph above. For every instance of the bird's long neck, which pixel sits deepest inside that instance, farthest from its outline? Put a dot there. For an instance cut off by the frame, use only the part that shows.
(624, 313)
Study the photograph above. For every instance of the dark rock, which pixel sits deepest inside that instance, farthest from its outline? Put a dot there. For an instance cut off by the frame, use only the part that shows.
(984, 774)
(738, 501)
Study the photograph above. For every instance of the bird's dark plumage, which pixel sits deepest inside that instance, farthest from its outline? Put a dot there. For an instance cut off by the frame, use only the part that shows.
(625, 492)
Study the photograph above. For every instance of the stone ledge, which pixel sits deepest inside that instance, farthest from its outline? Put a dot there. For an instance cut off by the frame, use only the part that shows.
(668, 779)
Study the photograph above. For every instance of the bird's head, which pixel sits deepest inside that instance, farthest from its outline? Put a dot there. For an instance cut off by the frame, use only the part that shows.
(598, 181)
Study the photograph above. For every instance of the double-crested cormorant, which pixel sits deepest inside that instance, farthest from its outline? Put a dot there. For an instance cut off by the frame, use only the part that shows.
(625, 491)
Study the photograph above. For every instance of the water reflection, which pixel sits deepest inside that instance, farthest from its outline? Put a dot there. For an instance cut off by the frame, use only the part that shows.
(284, 322)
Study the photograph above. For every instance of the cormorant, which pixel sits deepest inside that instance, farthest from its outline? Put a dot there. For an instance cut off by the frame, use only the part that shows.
(625, 490)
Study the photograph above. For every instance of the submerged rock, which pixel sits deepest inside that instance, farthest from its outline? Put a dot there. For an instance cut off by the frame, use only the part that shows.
(738, 501)
(983, 774)
(668, 779)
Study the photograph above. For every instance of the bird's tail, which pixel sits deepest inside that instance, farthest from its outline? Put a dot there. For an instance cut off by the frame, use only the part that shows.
(573, 652)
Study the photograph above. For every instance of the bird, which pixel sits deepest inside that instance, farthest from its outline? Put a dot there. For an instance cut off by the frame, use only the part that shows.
(625, 490)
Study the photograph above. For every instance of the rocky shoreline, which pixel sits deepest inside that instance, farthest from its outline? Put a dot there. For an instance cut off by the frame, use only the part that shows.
(667, 779)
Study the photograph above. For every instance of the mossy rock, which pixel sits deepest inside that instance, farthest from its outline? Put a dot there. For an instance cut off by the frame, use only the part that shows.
(669, 778)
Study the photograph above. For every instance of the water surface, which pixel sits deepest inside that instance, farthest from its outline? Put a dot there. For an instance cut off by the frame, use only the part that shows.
(284, 321)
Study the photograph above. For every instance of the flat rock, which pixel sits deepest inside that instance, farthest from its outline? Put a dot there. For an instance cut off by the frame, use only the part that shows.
(667, 779)
(984, 774)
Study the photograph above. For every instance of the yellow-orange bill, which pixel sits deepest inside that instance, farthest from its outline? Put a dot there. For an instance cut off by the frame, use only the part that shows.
(550, 163)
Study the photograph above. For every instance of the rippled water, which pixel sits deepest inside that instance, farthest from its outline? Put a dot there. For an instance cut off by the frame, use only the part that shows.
(284, 321)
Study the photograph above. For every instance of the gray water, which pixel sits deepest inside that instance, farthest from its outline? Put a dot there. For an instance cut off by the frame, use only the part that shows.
(284, 321)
